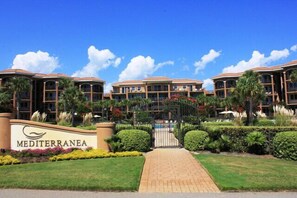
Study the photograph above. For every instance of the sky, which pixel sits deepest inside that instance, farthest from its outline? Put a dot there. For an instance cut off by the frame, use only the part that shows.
(119, 40)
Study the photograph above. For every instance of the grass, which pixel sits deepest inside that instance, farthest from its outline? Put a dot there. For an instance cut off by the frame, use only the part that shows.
(109, 174)
(250, 173)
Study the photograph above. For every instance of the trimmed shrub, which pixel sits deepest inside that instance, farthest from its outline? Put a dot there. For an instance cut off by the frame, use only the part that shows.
(147, 127)
(256, 141)
(285, 145)
(196, 140)
(217, 124)
(135, 140)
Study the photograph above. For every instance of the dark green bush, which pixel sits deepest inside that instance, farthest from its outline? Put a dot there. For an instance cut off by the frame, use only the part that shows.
(214, 146)
(237, 135)
(115, 143)
(135, 140)
(218, 145)
(285, 145)
(264, 122)
(256, 142)
(196, 140)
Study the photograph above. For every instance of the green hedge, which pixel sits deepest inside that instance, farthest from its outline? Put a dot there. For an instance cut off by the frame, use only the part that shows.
(285, 145)
(217, 124)
(135, 140)
(196, 140)
(147, 127)
(237, 135)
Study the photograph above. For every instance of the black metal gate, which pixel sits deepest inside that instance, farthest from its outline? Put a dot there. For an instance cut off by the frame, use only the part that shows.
(169, 133)
(164, 134)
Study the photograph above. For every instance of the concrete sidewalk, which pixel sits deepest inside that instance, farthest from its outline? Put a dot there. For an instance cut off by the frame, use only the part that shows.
(174, 170)
(18, 193)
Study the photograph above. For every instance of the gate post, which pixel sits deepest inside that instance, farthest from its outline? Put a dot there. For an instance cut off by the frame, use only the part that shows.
(104, 131)
(5, 131)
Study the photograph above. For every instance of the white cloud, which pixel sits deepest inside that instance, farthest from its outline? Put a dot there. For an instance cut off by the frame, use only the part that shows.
(205, 59)
(208, 83)
(257, 60)
(294, 48)
(98, 60)
(39, 62)
(141, 67)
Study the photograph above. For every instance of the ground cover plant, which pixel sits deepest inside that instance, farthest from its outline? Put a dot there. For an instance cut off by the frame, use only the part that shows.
(108, 174)
(250, 173)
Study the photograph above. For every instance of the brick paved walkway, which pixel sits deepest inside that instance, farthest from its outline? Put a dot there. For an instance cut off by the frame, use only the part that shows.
(174, 170)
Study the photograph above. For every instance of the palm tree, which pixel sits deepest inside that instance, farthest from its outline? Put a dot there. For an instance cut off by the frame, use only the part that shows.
(293, 76)
(250, 88)
(18, 85)
(72, 98)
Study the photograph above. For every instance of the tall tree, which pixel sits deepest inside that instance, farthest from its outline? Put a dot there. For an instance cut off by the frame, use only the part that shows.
(293, 76)
(4, 100)
(18, 85)
(250, 88)
(71, 98)
(65, 83)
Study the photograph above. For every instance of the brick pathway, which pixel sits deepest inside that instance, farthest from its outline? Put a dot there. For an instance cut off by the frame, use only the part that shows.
(174, 170)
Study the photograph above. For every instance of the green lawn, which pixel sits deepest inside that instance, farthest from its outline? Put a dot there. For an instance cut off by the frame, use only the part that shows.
(108, 174)
(250, 173)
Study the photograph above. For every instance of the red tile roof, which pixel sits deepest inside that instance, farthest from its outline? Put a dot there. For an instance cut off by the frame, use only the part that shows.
(185, 80)
(227, 75)
(157, 78)
(88, 79)
(128, 82)
(291, 63)
(17, 71)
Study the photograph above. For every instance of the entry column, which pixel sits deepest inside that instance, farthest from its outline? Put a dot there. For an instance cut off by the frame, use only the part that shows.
(104, 131)
(5, 131)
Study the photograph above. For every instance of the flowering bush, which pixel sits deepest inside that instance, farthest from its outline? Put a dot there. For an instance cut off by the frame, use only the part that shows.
(91, 154)
(7, 159)
(38, 152)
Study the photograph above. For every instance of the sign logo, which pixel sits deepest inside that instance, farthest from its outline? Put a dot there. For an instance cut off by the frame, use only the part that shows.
(32, 135)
